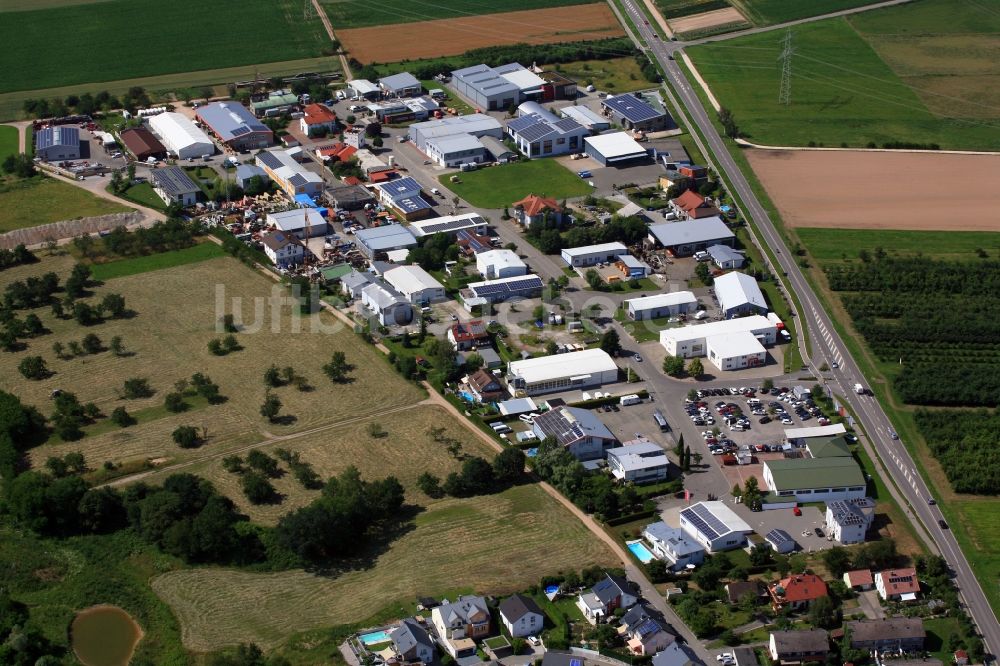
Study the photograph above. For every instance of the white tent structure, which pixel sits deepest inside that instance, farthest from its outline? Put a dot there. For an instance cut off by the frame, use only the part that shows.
(181, 136)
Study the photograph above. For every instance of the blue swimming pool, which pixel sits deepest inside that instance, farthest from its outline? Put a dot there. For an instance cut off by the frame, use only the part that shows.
(640, 551)
(374, 637)
(466, 396)
(532, 452)
(551, 589)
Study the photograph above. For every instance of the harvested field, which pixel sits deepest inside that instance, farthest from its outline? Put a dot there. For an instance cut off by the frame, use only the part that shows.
(446, 37)
(176, 318)
(708, 20)
(406, 452)
(492, 544)
(881, 190)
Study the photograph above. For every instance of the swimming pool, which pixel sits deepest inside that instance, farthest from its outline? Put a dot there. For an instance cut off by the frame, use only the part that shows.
(466, 396)
(551, 589)
(532, 452)
(640, 551)
(374, 637)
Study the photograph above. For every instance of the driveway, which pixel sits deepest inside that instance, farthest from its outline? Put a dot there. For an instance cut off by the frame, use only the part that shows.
(869, 602)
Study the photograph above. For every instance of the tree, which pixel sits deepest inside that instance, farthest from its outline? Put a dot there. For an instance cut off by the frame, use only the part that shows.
(33, 367)
(760, 555)
(337, 368)
(695, 368)
(271, 406)
(837, 561)
(33, 326)
(703, 274)
(230, 343)
(429, 485)
(136, 387)
(768, 384)
(174, 402)
(113, 305)
(822, 613)
(673, 366)
(58, 349)
(84, 314)
(186, 437)
(272, 377)
(77, 282)
(215, 347)
(610, 342)
(257, 488)
(121, 418)
(117, 346)
(377, 142)
(508, 465)
(92, 344)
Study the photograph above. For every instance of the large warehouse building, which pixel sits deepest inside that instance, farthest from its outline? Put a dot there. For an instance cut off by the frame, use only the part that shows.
(539, 133)
(181, 136)
(497, 88)
(236, 126)
(815, 479)
(660, 305)
(561, 372)
(685, 238)
(614, 149)
(590, 255)
(739, 295)
(143, 144)
(730, 345)
(474, 124)
(57, 143)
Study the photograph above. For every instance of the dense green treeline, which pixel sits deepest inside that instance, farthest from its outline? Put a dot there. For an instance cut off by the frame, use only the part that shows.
(965, 444)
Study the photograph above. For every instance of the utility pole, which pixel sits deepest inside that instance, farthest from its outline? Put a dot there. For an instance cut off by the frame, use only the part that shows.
(787, 51)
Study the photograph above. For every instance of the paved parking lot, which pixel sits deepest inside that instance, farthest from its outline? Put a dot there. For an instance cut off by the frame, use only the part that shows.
(811, 518)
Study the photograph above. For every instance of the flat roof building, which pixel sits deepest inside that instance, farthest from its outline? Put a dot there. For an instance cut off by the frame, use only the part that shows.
(456, 149)
(729, 344)
(633, 112)
(815, 479)
(476, 124)
(501, 263)
(685, 238)
(415, 284)
(450, 224)
(735, 351)
(383, 239)
(660, 305)
(739, 295)
(235, 126)
(174, 186)
(714, 525)
(614, 149)
(641, 462)
(589, 255)
(57, 143)
(142, 144)
(298, 221)
(798, 436)
(592, 120)
(275, 104)
(181, 136)
(561, 372)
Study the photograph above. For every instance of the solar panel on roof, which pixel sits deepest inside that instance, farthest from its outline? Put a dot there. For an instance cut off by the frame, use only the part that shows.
(270, 160)
(520, 123)
(536, 132)
(241, 130)
(297, 179)
(575, 662)
(632, 108)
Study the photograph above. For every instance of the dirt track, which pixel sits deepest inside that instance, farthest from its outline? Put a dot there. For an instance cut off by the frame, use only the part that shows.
(707, 20)
(890, 190)
(445, 37)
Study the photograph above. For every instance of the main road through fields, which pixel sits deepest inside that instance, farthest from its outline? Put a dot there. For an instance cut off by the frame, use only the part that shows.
(827, 343)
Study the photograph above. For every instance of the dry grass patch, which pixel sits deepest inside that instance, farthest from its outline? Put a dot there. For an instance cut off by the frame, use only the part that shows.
(176, 317)
(493, 544)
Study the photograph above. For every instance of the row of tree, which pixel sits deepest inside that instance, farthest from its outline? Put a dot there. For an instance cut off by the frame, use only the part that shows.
(86, 104)
(964, 442)
(19, 256)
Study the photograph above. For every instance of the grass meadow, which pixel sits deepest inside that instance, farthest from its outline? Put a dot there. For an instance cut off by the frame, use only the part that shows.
(42, 200)
(846, 85)
(678, 8)
(769, 12)
(834, 245)
(492, 544)
(124, 39)
(617, 75)
(499, 186)
(9, 141)
(153, 262)
(361, 14)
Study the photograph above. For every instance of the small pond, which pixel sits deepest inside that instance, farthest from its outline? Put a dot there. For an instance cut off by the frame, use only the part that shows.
(104, 636)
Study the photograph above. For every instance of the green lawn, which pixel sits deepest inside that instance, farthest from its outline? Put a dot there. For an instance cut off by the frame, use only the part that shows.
(155, 262)
(833, 245)
(359, 13)
(842, 90)
(42, 200)
(976, 526)
(616, 75)
(130, 38)
(500, 186)
(938, 631)
(8, 141)
(144, 194)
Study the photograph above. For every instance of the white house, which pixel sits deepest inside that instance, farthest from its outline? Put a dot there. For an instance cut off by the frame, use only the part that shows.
(562, 372)
(897, 584)
(299, 221)
(674, 545)
(521, 615)
(589, 255)
(660, 305)
(714, 525)
(736, 351)
(283, 249)
(729, 344)
(414, 283)
(608, 594)
(641, 462)
(503, 263)
(459, 623)
(848, 521)
(386, 304)
(739, 295)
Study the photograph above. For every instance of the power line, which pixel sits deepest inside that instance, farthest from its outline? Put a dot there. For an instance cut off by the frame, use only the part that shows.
(787, 50)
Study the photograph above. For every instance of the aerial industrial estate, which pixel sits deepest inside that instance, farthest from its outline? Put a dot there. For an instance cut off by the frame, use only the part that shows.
(540, 343)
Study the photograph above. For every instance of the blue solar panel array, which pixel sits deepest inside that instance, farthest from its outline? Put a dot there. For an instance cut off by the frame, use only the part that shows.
(705, 521)
(631, 108)
(270, 160)
(505, 288)
(411, 204)
(778, 536)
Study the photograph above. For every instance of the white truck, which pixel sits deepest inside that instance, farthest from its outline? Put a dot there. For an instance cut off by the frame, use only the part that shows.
(632, 399)
(860, 390)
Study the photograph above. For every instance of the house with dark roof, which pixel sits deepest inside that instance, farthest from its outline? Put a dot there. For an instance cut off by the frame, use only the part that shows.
(579, 431)
(609, 593)
(411, 642)
(738, 590)
(143, 144)
(633, 112)
(464, 335)
(692, 206)
(174, 186)
(898, 584)
(643, 633)
(534, 208)
(484, 387)
(521, 616)
(283, 248)
(538, 133)
(860, 579)
(848, 520)
(796, 647)
(675, 654)
(797, 591)
(893, 633)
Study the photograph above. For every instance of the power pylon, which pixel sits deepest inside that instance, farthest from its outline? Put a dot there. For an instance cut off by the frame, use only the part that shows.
(787, 51)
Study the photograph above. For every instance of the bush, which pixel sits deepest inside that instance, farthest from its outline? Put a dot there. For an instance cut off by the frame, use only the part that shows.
(136, 387)
(33, 367)
(121, 418)
(186, 437)
(257, 488)
(174, 402)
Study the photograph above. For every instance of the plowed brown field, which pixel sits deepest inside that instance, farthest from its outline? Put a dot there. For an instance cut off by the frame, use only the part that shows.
(445, 37)
(875, 190)
(707, 20)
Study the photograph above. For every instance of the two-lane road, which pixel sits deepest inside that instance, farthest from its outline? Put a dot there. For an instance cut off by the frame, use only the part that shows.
(827, 343)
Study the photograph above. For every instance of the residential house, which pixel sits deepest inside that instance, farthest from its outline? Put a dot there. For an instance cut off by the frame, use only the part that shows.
(609, 593)
(644, 634)
(416, 284)
(737, 591)
(674, 655)
(859, 579)
(894, 633)
(464, 335)
(317, 119)
(795, 647)
(534, 208)
(674, 545)
(641, 461)
(387, 305)
(459, 623)
(692, 206)
(848, 520)
(411, 642)
(484, 387)
(961, 658)
(797, 591)
(579, 431)
(898, 584)
(521, 616)
(745, 656)
(352, 283)
(283, 248)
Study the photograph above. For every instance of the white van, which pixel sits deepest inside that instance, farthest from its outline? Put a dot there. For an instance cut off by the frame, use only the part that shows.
(700, 314)
(627, 400)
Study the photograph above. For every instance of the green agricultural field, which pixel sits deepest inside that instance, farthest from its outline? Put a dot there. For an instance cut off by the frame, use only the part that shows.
(843, 92)
(9, 141)
(361, 14)
(500, 186)
(155, 262)
(42, 200)
(835, 245)
(678, 8)
(769, 12)
(129, 38)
